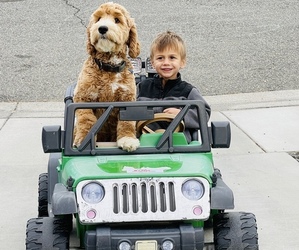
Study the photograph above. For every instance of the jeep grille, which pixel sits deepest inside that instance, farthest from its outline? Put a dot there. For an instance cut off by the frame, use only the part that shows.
(143, 199)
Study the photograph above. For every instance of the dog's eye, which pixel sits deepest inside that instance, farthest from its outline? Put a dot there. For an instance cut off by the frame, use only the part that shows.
(99, 18)
(116, 20)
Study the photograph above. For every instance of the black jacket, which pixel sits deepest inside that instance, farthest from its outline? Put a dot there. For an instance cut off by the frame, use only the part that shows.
(151, 89)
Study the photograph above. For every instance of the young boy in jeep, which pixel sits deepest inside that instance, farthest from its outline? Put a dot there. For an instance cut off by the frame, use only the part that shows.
(168, 56)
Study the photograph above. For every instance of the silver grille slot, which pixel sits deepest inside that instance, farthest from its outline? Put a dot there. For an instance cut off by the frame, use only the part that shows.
(144, 202)
(125, 200)
(163, 206)
(172, 206)
(115, 199)
(153, 197)
(134, 198)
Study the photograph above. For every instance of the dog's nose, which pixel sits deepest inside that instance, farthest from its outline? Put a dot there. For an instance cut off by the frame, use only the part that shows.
(103, 29)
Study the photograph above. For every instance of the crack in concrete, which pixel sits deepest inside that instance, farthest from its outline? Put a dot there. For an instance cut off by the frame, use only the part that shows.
(77, 10)
(9, 116)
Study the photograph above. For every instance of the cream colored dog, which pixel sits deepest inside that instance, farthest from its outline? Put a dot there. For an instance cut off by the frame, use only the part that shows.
(107, 75)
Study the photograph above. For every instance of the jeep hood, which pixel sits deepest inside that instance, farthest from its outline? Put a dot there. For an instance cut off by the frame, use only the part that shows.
(135, 166)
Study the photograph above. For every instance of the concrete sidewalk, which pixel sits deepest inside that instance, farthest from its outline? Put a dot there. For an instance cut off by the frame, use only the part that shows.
(258, 165)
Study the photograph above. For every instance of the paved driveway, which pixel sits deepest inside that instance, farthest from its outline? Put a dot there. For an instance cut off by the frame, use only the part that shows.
(233, 46)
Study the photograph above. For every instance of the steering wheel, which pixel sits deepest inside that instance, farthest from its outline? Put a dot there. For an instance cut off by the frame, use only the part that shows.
(142, 126)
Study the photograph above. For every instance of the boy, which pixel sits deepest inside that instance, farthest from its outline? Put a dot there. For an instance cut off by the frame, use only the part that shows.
(168, 56)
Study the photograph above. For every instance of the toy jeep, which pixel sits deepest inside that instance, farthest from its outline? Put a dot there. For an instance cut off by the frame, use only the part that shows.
(164, 196)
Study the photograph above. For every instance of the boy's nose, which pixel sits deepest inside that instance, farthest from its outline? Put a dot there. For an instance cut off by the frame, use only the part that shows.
(166, 61)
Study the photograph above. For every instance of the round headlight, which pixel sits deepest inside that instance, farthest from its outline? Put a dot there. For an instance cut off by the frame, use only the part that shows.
(93, 193)
(193, 189)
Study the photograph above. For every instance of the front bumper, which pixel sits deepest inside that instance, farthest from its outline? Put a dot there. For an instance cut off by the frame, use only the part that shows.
(184, 237)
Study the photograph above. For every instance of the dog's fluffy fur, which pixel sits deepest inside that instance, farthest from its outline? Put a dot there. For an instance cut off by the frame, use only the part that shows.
(110, 33)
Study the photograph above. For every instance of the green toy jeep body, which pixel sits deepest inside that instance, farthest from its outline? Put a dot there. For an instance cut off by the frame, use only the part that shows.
(161, 196)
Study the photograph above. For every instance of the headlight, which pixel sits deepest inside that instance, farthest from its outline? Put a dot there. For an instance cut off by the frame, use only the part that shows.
(93, 193)
(193, 189)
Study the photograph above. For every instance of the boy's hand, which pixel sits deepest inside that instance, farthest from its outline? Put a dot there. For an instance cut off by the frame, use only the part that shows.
(173, 111)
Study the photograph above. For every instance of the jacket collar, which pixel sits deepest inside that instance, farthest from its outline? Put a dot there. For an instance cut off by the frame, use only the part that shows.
(169, 83)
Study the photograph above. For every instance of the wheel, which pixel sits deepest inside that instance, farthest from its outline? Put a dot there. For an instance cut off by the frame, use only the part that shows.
(142, 126)
(236, 230)
(43, 195)
(47, 233)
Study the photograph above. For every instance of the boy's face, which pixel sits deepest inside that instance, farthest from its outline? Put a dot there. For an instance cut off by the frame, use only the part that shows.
(167, 63)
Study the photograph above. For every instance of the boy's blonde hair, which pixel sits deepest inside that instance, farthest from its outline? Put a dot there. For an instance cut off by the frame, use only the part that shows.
(168, 40)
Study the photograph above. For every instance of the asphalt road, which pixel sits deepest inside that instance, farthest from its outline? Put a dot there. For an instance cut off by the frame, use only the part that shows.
(234, 46)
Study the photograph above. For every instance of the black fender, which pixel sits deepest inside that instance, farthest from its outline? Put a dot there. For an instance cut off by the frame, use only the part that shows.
(222, 196)
(63, 200)
(53, 163)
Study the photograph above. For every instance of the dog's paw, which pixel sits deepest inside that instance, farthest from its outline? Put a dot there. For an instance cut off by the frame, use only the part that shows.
(128, 143)
(77, 142)
(76, 145)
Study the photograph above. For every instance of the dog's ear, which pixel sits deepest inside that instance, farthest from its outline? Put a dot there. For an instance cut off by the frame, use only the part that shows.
(133, 42)
(90, 48)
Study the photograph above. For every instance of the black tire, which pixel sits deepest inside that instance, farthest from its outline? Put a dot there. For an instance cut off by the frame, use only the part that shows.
(47, 233)
(43, 195)
(235, 231)
(43, 190)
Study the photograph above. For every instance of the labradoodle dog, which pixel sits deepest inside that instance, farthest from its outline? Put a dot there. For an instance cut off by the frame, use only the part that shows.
(107, 75)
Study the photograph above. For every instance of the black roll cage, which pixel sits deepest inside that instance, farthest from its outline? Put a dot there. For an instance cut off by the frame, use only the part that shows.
(139, 110)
